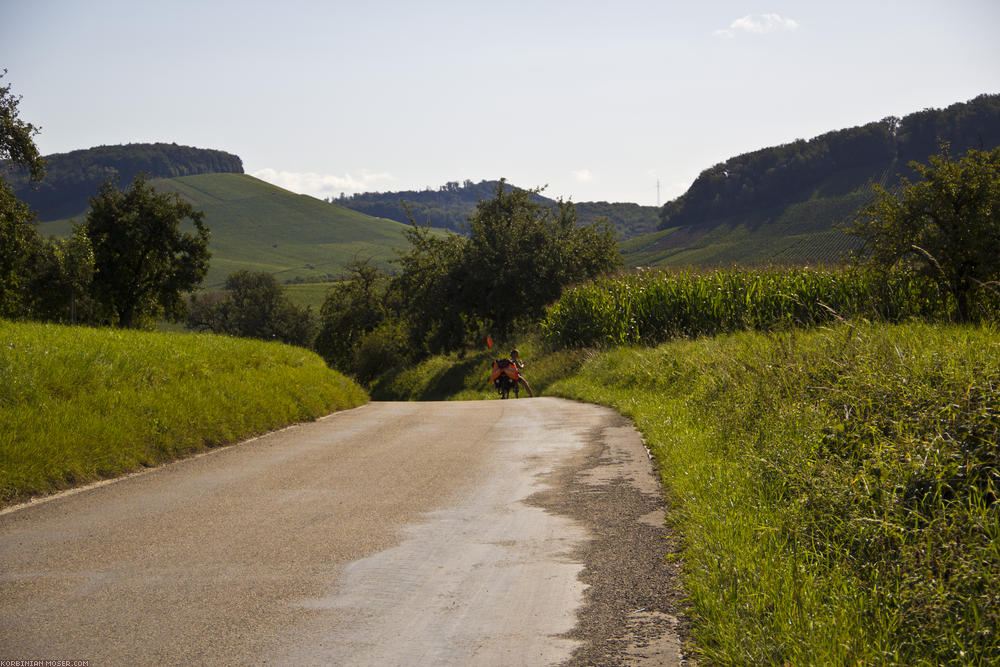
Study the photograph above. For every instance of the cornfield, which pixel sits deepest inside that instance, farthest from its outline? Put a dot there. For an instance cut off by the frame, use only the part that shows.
(650, 307)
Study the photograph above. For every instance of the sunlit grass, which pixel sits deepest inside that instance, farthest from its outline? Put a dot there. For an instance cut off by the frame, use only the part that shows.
(310, 295)
(836, 490)
(80, 404)
(655, 306)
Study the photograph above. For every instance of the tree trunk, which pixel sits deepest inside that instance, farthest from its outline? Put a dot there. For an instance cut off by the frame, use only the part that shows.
(126, 315)
(962, 300)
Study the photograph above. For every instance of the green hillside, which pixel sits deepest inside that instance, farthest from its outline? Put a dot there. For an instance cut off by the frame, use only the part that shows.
(799, 233)
(785, 204)
(72, 178)
(261, 227)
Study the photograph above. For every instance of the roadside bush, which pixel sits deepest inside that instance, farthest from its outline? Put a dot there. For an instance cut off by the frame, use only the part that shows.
(254, 306)
(385, 347)
(354, 307)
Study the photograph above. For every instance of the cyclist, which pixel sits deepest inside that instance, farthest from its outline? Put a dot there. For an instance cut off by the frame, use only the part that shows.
(518, 364)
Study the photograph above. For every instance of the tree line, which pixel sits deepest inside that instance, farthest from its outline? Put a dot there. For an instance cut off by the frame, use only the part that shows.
(450, 206)
(835, 163)
(128, 264)
(72, 178)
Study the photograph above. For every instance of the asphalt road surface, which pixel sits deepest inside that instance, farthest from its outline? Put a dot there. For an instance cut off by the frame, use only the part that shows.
(525, 532)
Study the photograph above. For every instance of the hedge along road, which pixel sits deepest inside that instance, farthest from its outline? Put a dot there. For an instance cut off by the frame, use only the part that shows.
(524, 532)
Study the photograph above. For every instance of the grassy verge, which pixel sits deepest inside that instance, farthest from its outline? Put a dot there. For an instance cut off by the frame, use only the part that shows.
(836, 489)
(80, 404)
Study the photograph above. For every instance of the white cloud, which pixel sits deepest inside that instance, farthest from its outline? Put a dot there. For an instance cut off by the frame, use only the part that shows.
(322, 185)
(758, 25)
(583, 175)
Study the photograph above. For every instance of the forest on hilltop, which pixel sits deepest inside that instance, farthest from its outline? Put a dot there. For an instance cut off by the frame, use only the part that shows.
(451, 205)
(72, 178)
(833, 164)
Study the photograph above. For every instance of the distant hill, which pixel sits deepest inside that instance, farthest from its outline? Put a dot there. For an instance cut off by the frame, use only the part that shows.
(783, 204)
(451, 205)
(254, 225)
(72, 178)
(258, 226)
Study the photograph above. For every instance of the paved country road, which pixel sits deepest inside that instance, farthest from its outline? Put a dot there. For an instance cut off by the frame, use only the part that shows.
(524, 532)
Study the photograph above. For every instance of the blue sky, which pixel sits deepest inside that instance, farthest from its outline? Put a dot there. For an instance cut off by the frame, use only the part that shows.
(596, 100)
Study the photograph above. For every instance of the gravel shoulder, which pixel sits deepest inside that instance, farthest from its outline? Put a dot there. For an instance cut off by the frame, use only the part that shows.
(633, 610)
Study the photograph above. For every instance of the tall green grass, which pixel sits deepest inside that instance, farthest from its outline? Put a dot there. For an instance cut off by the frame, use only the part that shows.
(654, 306)
(836, 489)
(80, 404)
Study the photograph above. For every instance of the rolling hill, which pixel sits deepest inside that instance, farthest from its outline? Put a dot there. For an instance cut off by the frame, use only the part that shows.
(785, 204)
(796, 233)
(452, 204)
(72, 178)
(261, 227)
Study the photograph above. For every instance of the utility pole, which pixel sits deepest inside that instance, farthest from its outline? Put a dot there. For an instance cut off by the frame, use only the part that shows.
(657, 191)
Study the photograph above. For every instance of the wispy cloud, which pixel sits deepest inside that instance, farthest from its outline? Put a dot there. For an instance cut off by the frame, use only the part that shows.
(322, 185)
(583, 175)
(758, 24)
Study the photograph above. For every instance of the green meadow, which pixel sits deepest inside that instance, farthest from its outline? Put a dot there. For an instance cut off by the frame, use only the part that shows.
(310, 295)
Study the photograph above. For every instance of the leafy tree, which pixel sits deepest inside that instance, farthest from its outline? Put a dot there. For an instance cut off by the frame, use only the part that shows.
(143, 260)
(75, 256)
(18, 241)
(521, 254)
(18, 237)
(518, 256)
(430, 290)
(61, 277)
(353, 308)
(256, 306)
(16, 143)
(450, 290)
(946, 226)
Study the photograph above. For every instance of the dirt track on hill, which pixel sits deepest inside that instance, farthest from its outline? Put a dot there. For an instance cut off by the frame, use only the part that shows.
(490, 533)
